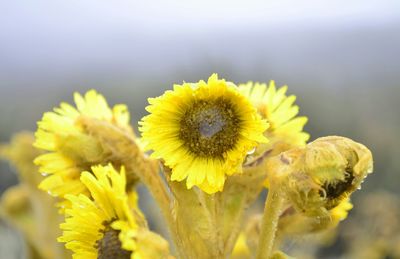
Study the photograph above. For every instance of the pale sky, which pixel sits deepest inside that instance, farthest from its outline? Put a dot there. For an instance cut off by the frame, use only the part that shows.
(74, 36)
(196, 13)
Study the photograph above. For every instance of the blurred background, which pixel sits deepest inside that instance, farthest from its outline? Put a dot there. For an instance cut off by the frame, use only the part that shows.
(340, 58)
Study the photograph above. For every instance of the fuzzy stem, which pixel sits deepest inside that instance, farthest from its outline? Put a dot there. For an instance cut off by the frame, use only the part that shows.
(269, 224)
(214, 200)
(124, 150)
(156, 186)
(236, 226)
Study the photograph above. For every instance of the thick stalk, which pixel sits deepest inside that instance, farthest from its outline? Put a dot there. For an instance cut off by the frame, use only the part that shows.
(269, 224)
(122, 149)
(214, 208)
(235, 224)
(153, 181)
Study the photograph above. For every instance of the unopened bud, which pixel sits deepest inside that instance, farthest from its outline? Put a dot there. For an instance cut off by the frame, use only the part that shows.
(317, 177)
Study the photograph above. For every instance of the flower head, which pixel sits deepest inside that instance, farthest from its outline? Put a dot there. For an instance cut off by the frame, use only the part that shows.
(286, 130)
(105, 226)
(316, 178)
(72, 147)
(202, 131)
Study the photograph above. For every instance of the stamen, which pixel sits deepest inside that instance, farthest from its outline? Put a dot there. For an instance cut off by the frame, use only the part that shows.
(209, 128)
(109, 247)
(334, 191)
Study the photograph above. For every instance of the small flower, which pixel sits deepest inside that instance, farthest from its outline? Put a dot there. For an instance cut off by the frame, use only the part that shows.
(340, 212)
(286, 130)
(72, 147)
(297, 223)
(317, 177)
(14, 201)
(202, 131)
(105, 226)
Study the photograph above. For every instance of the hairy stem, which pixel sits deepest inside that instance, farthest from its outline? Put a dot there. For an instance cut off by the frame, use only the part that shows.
(235, 231)
(269, 224)
(122, 149)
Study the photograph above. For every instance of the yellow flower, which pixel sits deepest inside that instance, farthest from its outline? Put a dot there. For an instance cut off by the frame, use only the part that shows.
(286, 130)
(340, 212)
(105, 227)
(202, 131)
(72, 147)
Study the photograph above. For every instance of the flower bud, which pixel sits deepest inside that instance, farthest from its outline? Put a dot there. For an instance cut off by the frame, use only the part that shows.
(21, 153)
(15, 201)
(317, 177)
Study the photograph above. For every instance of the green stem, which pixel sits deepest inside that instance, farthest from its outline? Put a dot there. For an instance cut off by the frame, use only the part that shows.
(215, 219)
(270, 219)
(236, 225)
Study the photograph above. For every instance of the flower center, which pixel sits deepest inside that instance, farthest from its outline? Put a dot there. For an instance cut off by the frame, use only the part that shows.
(209, 128)
(109, 247)
(334, 191)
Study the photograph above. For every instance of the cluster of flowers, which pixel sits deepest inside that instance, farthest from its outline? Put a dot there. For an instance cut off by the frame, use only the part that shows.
(213, 147)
